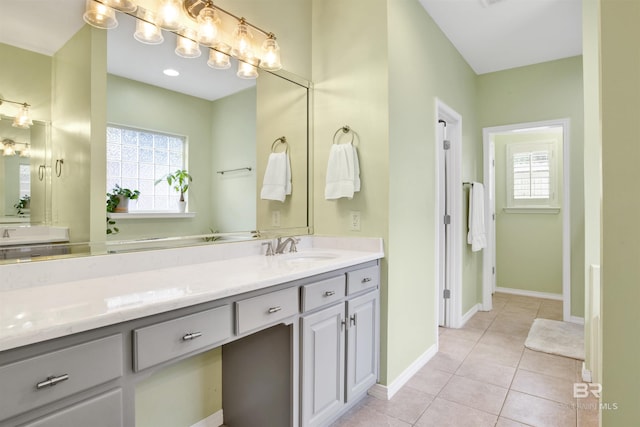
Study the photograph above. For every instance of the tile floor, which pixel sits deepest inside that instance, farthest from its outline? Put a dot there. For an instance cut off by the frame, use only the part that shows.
(484, 376)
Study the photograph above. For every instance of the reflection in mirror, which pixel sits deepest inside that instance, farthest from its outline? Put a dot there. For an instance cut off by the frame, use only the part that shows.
(23, 175)
(65, 70)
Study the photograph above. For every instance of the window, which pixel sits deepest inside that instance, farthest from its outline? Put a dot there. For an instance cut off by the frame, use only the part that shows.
(531, 175)
(137, 158)
(25, 180)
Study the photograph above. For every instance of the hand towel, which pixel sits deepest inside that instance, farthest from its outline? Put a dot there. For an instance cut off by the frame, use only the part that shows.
(476, 237)
(277, 177)
(343, 172)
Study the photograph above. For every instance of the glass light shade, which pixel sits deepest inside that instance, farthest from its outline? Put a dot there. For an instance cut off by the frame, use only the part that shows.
(8, 150)
(23, 119)
(147, 32)
(270, 55)
(186, 46)
(122, 5)
(26, 152)
(208, 26)
(242, 39)
(169, 15)
(218, 59)
(248, 69)
(100, 16)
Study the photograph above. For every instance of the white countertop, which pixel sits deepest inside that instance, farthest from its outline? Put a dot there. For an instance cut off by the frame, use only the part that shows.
(36, 304)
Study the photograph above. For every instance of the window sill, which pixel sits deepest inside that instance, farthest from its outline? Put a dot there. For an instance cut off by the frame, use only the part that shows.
(532, 210)
(152, 215)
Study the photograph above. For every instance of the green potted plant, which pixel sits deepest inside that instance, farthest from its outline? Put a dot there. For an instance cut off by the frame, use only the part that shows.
(23, 203)
(118, 199)
(179, 181)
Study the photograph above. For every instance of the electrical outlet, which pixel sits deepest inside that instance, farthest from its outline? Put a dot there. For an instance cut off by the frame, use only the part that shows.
(354, 220)
(275, 218)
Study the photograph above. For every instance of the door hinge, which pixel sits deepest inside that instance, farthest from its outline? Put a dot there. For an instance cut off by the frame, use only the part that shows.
(493, 270)
(493, 216)
(446, 144)
(446, 294)
(447, 219)
(493, 162)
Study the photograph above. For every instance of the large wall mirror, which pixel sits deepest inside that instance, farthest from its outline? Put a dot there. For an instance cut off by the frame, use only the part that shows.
(105, 113)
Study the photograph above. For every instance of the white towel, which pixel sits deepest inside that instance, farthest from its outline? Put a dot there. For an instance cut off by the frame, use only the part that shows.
(277, 177)
(476, 237)
(343, 172)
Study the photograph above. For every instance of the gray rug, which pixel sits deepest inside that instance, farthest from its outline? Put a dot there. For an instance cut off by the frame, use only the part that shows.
(556, 337)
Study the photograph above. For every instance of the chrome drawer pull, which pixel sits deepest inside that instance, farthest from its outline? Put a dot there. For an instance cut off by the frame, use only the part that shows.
(191, 336)
(366, 279)
(329, 293)
(51, 381)
(274, 309)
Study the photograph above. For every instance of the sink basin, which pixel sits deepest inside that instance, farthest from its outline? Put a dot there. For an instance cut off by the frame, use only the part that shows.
(304, 257)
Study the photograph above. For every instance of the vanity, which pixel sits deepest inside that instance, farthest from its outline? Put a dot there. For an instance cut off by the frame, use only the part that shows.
(299, 332)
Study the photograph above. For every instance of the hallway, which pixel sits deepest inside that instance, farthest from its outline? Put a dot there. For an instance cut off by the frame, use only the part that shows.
(484, 376)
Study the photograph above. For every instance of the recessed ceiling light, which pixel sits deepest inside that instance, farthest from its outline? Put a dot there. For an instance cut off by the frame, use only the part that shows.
(171, 72)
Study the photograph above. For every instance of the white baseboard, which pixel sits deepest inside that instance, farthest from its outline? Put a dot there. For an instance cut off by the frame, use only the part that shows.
(586, 373)
(387, 392)
(469, 314)
(214, 420)
(535, 294)
(576, 319)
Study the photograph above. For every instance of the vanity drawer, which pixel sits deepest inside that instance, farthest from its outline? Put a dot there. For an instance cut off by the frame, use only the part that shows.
(264, 310)
(101, 411)
(322, 293)
(167, 340)
(359, 280)
(40, 380)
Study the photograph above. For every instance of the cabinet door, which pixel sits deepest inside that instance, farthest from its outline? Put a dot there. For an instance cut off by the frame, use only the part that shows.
(322, 365)
(362, 344)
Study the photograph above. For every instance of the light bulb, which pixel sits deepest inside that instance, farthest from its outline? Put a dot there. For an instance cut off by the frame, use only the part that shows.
(247, 69)
(218, 59)
(8, 150)
(169, 15)
(23, 119)
(99, 16)
(186, 46)
(270, 54)
(208, 26)
(242, 41)
(122, 5)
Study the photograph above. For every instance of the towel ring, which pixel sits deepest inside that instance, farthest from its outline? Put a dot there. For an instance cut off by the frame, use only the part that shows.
(344, 129)
(282, 140)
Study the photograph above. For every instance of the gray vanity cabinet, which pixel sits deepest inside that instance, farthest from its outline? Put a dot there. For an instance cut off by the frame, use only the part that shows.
(339, 349)
(323, 360)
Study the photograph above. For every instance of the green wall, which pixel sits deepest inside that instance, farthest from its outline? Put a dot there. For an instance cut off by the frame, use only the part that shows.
(182, 394)
(423, 66)
(547, 91)
(620, 109)
(528, 245)
(233, 145)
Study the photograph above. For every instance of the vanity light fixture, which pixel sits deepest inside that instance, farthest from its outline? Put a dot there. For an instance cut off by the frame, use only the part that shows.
(195, 22)
(26, 151)
(8, 147)
(23, 119)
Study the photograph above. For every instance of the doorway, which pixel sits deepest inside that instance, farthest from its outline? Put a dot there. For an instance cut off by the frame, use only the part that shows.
(530, 185)
(448, 215)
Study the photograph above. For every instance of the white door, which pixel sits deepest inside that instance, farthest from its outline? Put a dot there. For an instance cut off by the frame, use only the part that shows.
(444, 281)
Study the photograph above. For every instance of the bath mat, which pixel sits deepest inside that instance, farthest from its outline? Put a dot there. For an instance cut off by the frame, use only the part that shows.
(556, 337)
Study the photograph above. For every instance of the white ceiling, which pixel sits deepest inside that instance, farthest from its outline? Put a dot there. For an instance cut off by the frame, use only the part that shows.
(505, 34)
(494, 35)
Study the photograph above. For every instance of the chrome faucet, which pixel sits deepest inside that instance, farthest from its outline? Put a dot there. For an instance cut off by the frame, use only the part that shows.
(282, 244)
(5, 233)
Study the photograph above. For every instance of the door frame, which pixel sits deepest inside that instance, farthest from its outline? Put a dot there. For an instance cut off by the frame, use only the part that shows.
(487, 283)
(454, 134)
